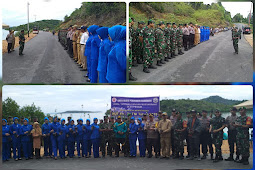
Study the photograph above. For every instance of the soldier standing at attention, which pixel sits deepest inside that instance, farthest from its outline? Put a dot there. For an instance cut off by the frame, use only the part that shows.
(179, 129)
(173, 119)
(152, 136)
(131, 46)
(164, 128)
(168, 40)
(103, 135)
(179, 39)
(79, 47)
(69, 41)
(230, 120)
(21, 42)
(191, 36)
(120, 129)
(242, 125)
(160, 44)
(205, 136)
(127, 121)
(235, 37)
(185, 37)
(147, 37)
(138, 46)
(173, 40)
(74, 40)
(217, 126)
(111, 140)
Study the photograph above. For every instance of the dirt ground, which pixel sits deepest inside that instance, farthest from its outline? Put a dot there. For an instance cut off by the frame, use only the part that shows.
(249, 38)
(224, 148)
(5, 44)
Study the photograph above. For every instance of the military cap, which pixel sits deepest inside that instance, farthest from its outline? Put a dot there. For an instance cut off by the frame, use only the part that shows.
(151, 115)
(145, 114)
(129, 114)
(119, 117)
(173, 23)
(234, 108)
(242, 108)
(164, 114)
(112, 117)
(161, 23)
(130, 20)
(150, 21)
(22, 31)
(217, 110)
(141, 22)
(168, 23)
(173, 110)
(180, 24)
(105, 117)
(193, 111)
(204, 111)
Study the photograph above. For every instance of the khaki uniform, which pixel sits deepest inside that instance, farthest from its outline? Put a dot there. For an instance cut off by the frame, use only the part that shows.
(79, 48)
(164, 128)
(75, 37)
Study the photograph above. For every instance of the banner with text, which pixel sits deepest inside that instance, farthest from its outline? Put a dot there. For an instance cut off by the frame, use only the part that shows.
(136, 106)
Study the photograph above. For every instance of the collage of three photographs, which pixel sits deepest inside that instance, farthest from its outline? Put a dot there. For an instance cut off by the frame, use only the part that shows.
(134, 84)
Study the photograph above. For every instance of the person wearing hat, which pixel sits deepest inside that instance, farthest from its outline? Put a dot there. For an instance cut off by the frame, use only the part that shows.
(192, 35)
(152, 136)
(10, 120)
(137, 45)
(217, 125)
(128, 121)
(167, 31)
(25, 133)
(235, 37)
(160, 44)
(6, 135)
(9, 40)
(173, 119)
(164, 128)
(146, 36)
(104, 135)
(120, 129)
(179, 129)
(61, 132)
(21, 42)
(37, 134)
(141, 137)
(71, 132)
(188, 116)
(185, 37)
(95, 138)
(86, 151)
(79, 34)
(242, 124)
(79, 137)
(179, 39)
(205, 136)
(132, 130)
(173, 34)
(53, 136)
(46, 138)
(16, 142)
(193, 127)
(230, 120)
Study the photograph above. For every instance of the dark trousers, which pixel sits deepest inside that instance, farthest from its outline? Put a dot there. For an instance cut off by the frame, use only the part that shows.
(172, 141)
(152, 142)
(232, 142)
(117, 146)
(194, 145)
(206, 141)
(191, 40)
(9, 47)
(37, 153)
(70, 47)
(188, 144)
(185, 41)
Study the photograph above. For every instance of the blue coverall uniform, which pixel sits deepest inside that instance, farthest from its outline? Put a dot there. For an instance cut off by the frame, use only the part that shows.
(16, 140)
(141, 138)
(5, 141)
(46, 140)
(95, 138)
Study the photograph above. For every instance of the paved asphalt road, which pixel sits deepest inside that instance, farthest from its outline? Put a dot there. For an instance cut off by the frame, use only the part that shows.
(123, 163)
(210, 61)
(45, 62)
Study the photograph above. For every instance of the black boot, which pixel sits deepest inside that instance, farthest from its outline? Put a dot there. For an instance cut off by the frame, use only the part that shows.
(152, 66)
(245, 161)
(237, 158)
(146, 70)
(131, 77)
(216, 159)
(180, 52)
(169, 56)
(212, 157)
(173, 55)
(230, 158)
(158, 63)
(204, 156)
(240, 160)
(162, 62)
(166, 59)
(139, 62)
(134, 64)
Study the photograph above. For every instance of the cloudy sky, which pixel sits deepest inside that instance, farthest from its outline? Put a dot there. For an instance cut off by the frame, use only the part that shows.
(98, 97)
(15, 13)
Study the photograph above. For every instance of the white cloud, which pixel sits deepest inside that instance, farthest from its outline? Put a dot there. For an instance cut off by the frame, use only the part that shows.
(238, 7)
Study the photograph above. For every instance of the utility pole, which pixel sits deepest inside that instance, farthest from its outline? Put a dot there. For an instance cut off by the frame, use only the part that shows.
(250, 15)
(28, 19)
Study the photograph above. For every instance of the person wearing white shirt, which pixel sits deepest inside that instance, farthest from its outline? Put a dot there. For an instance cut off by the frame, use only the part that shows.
(199, 31)
(83, 41)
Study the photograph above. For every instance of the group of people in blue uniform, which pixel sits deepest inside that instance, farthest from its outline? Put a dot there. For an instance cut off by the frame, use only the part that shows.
(205, 33)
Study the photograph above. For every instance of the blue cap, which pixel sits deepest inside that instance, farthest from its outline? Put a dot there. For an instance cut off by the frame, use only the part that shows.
(88, 120)
(132, 118)
(15, 118)
(26, 120)
(46, 118)
(4, 120)
(62, 120)
(94, 119)
(140, 119)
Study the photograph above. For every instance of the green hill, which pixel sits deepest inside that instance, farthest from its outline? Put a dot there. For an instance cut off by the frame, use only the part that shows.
(218, 99)
(43, 24)
(99, 13)
(213, 15)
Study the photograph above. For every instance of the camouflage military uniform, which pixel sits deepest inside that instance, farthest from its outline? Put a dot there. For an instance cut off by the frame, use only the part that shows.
(138, 46)
(235, 36)
(179, 38)
(173, 39)
(21, 43)
(217, 122)
(130, 49)
(104, 137)
(111, 138)
(148, 45)
(179, 137)
(160, 43)
(127, 138)
(168, 41)
(242, 136)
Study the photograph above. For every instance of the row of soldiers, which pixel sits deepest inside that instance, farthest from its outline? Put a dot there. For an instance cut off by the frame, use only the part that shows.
(160, 133)
(147, 42)
(101, 51)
